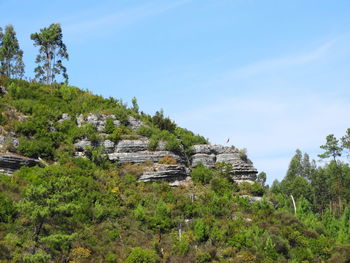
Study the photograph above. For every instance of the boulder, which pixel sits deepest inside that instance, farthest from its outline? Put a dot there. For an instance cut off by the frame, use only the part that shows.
(81, 145)
(65, 116)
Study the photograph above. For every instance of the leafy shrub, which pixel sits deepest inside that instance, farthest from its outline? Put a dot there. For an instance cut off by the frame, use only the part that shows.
(163, 123)
(201, 231)
(139, 255)
(34, 148)
(201, 174)
(109, 126)
(145, 131)
(7, 209)
(115, 135)
(203, 257)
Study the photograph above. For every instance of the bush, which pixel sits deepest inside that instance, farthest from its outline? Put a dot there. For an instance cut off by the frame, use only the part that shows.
(203, 257)
(201, 174)
(34, 148)
(139, 255)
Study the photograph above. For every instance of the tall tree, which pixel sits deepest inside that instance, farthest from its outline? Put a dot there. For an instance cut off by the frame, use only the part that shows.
(345, 141)
(295, 167)
(332, 148)
(51, 52)
(10, 54)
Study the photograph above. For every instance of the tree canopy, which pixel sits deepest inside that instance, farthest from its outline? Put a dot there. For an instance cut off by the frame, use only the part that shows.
(11, 63)
(52, 51)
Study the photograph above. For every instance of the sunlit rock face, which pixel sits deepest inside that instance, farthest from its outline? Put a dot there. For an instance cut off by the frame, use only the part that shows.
(210, 155)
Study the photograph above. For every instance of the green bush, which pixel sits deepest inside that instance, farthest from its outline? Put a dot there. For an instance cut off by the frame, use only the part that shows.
(139, 255)
(36, 148)
(202, 174)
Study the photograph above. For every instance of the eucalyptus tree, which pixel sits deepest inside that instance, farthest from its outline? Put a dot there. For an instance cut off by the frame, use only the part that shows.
(52, 51)
(11, 56)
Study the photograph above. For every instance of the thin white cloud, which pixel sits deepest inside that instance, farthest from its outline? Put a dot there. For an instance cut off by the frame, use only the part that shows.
(282, 62)
(121, 17)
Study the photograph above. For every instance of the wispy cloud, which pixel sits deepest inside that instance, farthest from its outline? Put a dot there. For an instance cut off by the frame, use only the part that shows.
(121, 18)
(282, 62)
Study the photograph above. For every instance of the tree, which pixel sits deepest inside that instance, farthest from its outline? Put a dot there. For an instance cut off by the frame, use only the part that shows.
(295, 167)
(10, 54)
(51, 52)
(135, 106)
(332, 148)
(345, 141)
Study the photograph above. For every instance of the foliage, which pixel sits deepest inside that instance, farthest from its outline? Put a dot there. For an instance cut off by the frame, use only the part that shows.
(139, 255)
(91, 210)
(11, 63)
(51, 52)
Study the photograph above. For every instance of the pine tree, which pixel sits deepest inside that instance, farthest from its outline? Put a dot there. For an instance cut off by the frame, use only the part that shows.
(345, 141)
(51, 52)
(11, 56)
(332, 148)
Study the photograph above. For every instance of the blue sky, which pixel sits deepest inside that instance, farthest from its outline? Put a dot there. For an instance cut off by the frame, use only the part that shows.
(272, 76)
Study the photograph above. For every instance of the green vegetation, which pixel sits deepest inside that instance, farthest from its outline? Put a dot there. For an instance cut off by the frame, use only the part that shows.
(11, 63)
(74, 209)
(92, 210)
(51, 52)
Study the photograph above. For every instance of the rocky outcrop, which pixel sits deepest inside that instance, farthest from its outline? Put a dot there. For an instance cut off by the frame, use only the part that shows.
(210, 155)
(9, 163)
(134, 124)
(166, 172)
(98, 120)
(128, 146)
(143, 156)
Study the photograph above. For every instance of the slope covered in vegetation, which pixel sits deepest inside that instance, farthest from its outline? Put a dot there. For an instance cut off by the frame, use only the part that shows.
(74, 209)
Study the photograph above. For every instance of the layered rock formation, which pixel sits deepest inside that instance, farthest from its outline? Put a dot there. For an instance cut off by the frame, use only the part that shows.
(136, 152)
(210, 155)
(9, 163)
(161, 164)
(168, 172)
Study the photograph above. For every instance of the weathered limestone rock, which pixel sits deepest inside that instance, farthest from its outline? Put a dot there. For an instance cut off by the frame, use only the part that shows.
(9, 163)
(207, 160)
(98, 120)
(128, 146)
(209, 155)
(65, 116)
(134, 123)
(143, 156)
(81, 145)
(108, 145)
(166, 172)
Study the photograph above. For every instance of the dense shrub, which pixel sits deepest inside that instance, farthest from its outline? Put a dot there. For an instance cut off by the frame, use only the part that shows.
(139, 255)
(201, 174)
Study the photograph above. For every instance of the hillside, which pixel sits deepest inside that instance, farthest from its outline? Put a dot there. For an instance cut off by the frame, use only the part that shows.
(89, 179)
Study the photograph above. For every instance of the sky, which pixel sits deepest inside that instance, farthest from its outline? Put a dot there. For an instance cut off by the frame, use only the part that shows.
(272, 75)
